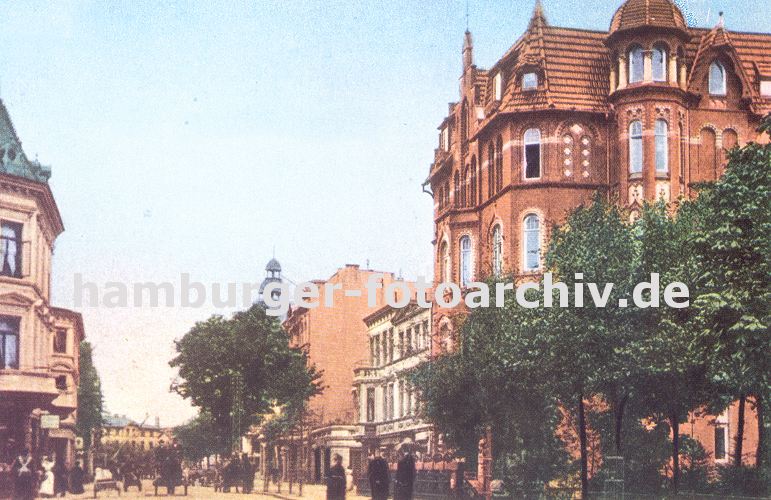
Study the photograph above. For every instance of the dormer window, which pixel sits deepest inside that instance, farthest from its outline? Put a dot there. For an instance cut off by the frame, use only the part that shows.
(529, 81)
(498, 86)
(717, 80)
(445, 139)
(636, 63)
(659, 64)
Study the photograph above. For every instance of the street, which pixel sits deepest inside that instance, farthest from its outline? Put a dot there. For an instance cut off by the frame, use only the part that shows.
(312, 492)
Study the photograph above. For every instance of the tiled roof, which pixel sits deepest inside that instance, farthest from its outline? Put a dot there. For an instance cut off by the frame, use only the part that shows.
(574, 64)
(648, 13)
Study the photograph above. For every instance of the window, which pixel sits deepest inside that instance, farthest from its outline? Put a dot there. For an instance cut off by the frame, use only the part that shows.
(9, 342)
(635, 147)
(464, 197)
(721, 442)
(498, 163)
(636, 61)
(529, 81)
(532, 238)
(465, 261)
(498, 86)
(445, 139)
(682, 153)
(464, 128)
(765, 88)
(659, 64)
(61, 382)
(662, 146)
(472, 198)
(444, 262)
(10, 249)
(490, 170)
(497, 251)
(717, 84)
(60, 340)
(370, 404)
(532, 153)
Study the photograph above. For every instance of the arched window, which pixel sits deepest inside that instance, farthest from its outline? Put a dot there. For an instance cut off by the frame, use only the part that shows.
(662, 146)
(473, 187)
(531, 236)
(717, 85)
(683, 140)
(465, 261)
(464, 128)
(444, 263)
(659, 64)
(497, 244)
(532, 153)
(498, 163)
(490, 170)
(636, 62)
(464, 188)
(635, 147)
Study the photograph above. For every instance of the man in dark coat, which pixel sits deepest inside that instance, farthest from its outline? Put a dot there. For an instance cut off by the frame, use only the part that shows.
(247, 471)
(60, 477)
(405, 474)
(76, 479)
(336, 479)
(23, 470)
(379, 477)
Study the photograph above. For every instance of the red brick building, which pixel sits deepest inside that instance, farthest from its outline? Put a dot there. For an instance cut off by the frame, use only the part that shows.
(642, 111)
(336, 341)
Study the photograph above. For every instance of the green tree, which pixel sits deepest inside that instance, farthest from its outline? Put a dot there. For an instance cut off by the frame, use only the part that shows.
(90, 399)
(588, 350)
(237, 369)
(197, 437)
(492, 380)
(733, 244)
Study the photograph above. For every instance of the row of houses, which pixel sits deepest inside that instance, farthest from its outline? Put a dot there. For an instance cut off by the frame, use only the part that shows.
(642, 111)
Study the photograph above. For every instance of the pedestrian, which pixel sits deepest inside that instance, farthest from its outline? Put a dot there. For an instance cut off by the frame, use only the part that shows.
(76, 479)
(379, 476)
(336, 479)
(232, 474)
(60, 477)
(405, 473)
(247, 473)
(47, 484)
(23, 470)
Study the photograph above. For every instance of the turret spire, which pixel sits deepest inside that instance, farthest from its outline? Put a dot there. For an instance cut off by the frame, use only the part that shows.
(468, 51)
(538, 18)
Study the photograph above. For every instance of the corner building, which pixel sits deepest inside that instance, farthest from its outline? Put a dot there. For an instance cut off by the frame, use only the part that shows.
(39, 343)
(640, 112)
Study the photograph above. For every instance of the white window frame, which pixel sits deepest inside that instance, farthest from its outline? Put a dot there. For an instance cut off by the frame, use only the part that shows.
(633, 67)
(529, 142)
(659, 136)
(530, 80)
(662, 76)
(498, 86)
(635, 136)
(723, 90)
(525, 233)
(497, 250)
(466, 261)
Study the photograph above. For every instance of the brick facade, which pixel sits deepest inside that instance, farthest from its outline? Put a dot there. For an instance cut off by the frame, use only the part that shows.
(640, 112)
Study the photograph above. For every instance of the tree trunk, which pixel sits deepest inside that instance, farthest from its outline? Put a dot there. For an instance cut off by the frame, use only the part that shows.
(761, 450)
(740, 432)
(675, 423)
(582, 439)
(619, 414)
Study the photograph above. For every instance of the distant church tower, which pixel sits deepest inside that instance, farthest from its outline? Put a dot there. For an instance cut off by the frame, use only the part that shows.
(272, 275)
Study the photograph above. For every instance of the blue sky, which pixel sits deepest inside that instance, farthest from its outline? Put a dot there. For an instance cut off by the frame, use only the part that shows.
(194, 137)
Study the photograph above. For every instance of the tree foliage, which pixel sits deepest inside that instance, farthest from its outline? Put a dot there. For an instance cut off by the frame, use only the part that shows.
(237, 369)
(90, 399)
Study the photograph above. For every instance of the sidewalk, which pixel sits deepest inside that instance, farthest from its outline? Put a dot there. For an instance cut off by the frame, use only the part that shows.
(310, 491)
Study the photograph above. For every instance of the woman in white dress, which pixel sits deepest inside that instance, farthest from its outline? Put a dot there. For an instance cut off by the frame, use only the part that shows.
(47, 484)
